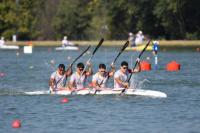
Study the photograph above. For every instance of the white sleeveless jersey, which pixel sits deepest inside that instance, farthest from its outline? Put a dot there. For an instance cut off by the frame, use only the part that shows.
(59, 80)
(65, 42)
(100, 79)
(122, 76)
(78, 81)
(2, 42)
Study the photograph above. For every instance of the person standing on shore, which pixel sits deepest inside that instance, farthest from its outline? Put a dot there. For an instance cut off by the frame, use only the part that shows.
(121, 76)
(58, 78)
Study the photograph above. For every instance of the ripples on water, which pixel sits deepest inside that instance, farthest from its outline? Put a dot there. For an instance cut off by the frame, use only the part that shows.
(44, 113)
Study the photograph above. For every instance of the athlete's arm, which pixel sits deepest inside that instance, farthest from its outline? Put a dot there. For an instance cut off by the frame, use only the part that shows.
(89, 72)
(119, 81)
(111, 73)
(51, 84)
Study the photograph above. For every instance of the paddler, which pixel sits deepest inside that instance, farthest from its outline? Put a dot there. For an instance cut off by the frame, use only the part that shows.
(121, 76)
(99, 80)
(58, 78)
(65, 42)
(78, 78)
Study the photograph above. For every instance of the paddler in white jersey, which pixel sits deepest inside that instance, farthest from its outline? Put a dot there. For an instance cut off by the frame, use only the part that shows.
(121, 76)
(65, 42)
(77, 81)
(99, 80)
(58, 78)
(2, 42)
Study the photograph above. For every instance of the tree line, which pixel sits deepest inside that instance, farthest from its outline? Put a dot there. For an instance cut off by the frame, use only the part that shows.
(92, 19)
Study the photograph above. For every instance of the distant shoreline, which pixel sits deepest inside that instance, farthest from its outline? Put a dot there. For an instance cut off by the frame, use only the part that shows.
(163, 43)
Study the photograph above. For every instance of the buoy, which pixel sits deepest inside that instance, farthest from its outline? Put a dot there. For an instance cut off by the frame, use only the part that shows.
(173, 66)
(145, 66)
(16, 124)
(64, 100)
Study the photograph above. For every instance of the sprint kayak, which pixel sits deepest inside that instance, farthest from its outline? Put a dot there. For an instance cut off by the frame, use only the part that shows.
(67, 48)
(86, 91)
(9, 47)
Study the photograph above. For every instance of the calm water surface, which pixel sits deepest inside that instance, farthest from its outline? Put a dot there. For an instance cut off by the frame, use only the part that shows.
(179, 112)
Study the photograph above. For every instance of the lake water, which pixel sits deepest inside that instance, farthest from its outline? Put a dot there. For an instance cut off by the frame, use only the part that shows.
(178, 113)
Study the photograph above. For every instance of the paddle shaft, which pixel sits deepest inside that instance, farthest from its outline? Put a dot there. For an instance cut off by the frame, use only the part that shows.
(139, 58)
(76, 60)
(137, 63)
(123, 48)
(97, 47)
(79, 56)
(120, 52)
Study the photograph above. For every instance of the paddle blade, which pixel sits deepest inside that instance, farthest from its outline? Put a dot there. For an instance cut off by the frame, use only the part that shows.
(125, 45)
(139, 57)
(81, 55)
(100, 43)
(123, 48)
(144, 48)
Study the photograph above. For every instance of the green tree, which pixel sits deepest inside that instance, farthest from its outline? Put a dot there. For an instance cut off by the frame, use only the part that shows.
(171, 18)
(99, 23)
(8, 18)
(72, 19)
(27, 20)
(18, 17)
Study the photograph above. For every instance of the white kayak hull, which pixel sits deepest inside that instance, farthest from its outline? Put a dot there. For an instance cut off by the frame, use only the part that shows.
(67, 48)
(136, 92)
(10, 47)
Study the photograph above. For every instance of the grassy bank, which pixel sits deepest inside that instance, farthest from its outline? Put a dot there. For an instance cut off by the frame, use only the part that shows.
(163, 43)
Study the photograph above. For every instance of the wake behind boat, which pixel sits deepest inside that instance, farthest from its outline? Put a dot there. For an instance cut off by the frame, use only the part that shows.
(70, 47)
(87, 91)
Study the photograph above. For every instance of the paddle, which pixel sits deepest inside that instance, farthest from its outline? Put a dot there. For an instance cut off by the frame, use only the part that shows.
(79, 56)
(70, 66)
(120, 52)
(123, 48)
(137, 63)
(97, 47)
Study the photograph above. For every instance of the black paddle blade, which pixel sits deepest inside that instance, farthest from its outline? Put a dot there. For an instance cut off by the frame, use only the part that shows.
(139, 57)
(100, 43)
(123, 48)
(125, 45)
(144, 48)
(81, 54)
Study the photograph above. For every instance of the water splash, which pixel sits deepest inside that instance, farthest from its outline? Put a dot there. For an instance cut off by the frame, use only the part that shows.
(139, 84)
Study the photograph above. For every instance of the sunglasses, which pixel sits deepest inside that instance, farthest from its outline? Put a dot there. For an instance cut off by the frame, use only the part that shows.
(125, 67)
(81, 69)
(62, 70)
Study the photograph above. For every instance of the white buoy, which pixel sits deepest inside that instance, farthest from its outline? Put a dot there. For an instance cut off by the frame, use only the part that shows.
(28, 49)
